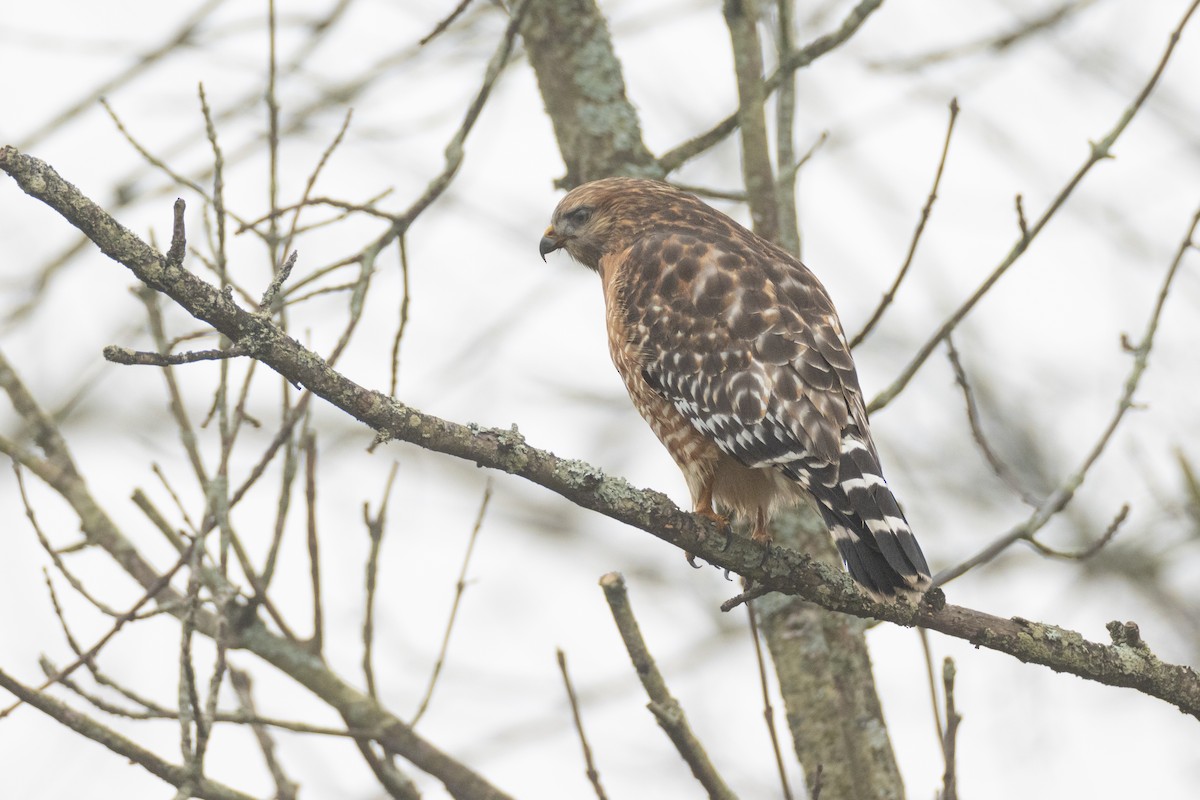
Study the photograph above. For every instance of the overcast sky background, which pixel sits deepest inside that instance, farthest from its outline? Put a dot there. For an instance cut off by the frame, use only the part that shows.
(497, 337)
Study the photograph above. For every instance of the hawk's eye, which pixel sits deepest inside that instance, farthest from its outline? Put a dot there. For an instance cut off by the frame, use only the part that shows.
(579, 216)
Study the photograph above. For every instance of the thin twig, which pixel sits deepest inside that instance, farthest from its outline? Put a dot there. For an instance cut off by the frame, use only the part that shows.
(459, 588)
(768, 710)
(175, 42)
(157, 162)
(272, 103)
(162, 478)
(55, 556)
(993, 42)
(592, 774)
(375, 528)
(445, 23)
(346, 207)
(285, 789)
(1022, 223)
(86, 726)
(119, 623)
(1058, 499)
(949, 741)
(1097, 152)
(666, 709)
(218, 195)
(814, 788)
(927, 651)
(1091, 549)
(402, 326)
(398, 785)
(1001, 470)
(454, 150)
(779, 568)
(267, 302)
(142, 358)
(314, 561)
(312, 178)
(926, 210)
(797, 59)
(183, 423)
(154, 711)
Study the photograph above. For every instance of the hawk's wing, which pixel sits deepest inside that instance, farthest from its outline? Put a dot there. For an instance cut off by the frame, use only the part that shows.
(745, 343)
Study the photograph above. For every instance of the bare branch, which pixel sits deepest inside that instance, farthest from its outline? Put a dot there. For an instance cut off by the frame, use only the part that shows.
(949, 741)
(360, 712)
(123, 355)
(927, 652)
(890, 294)
(741, 16)
(454, 150)
(666, 709)
(592, 774)
(317, 642)
(285, 789)
(171, 45)
(768, 711)
(581, 83)
(1091, 549)
(785, 145)
(1097, 152)
(460, 586)
(267, 303)
(1058, 499)
(86, 726)
(781, 570)
(445, 22)
(375, 528)
(151, 593)
(997, 464)
(797, 59)
(1051, 19)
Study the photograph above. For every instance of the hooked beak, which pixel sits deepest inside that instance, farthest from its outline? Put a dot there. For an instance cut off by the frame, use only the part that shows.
(550, 242)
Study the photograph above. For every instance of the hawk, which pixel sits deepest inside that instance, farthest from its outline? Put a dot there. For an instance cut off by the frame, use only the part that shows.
(732, 351)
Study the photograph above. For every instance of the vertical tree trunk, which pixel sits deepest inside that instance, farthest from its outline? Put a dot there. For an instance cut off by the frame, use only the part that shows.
(820, 657)
(825, 677)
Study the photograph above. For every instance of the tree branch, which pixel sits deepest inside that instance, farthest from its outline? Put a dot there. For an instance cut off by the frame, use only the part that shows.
(580, 80)
(84, 725)
(1097, 152)
(782, 570)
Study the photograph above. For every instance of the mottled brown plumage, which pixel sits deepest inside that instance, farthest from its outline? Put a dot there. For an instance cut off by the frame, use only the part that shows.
(732, 351)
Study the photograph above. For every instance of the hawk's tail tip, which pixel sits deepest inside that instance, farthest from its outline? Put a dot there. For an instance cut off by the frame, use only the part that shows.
(888, 566)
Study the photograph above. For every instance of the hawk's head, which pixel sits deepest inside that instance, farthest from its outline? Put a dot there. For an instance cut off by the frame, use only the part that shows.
(605, 216)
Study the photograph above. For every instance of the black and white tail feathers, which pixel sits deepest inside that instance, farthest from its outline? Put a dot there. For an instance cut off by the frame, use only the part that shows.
(867, 525)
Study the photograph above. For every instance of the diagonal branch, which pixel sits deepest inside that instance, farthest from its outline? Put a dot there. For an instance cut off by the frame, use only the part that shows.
(797, 59)
(1099, 151)
(173, 774)
(779, 569)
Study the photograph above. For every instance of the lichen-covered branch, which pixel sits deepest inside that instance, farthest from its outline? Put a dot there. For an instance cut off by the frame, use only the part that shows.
(666, 709)
(781, 570)
(581, 83)
(826, 681)
(741, 16)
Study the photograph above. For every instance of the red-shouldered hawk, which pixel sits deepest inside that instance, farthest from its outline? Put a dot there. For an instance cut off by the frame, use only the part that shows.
(732, 351)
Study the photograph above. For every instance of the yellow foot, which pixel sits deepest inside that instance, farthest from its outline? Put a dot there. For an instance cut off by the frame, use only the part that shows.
(722, 523)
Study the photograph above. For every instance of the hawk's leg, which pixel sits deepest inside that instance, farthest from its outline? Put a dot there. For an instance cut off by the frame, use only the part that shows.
(762, 534)
(703, 507)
